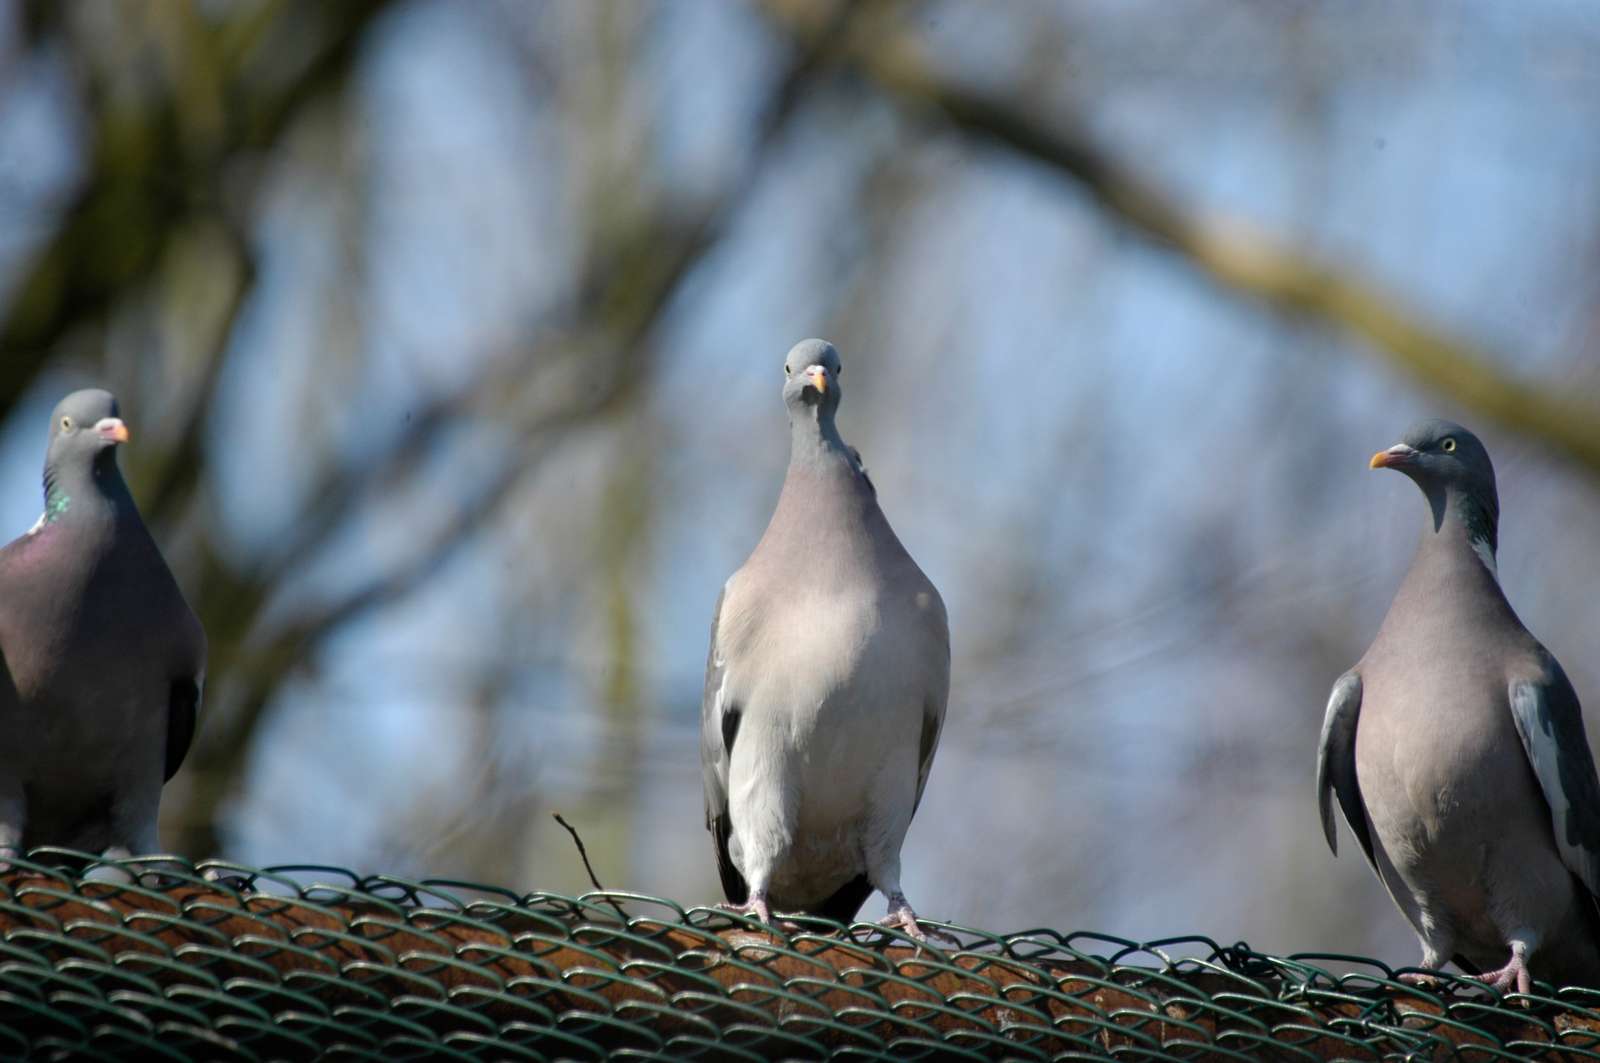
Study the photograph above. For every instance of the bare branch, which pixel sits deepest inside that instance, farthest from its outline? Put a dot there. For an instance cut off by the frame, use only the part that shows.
(144, 177)
(606, 351)
(1228, 252)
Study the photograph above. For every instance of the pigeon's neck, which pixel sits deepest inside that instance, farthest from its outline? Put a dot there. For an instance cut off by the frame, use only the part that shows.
(827, 505)
(814, 441)
(84, 493)
(1460, 517)
(57, 499)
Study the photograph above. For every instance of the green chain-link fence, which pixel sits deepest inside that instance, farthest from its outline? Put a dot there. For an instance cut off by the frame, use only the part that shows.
(155, 960)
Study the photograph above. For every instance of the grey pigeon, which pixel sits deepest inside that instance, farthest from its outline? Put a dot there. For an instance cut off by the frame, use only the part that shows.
(1456, 749)
(102, 660)
(825, 686)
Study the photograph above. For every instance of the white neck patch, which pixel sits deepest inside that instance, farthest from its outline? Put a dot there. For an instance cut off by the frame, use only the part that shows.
(1486, 555)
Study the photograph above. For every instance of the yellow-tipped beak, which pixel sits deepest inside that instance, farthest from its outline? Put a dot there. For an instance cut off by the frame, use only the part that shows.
(1397, 455)
(113, 429)
(819, 379)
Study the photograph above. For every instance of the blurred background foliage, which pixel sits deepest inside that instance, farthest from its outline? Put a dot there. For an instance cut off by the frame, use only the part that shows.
(450, 338)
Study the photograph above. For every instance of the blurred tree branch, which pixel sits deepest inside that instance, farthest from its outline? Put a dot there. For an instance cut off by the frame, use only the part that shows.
(164, 162)
(157, 159)
(590, 369)
(1226, 251)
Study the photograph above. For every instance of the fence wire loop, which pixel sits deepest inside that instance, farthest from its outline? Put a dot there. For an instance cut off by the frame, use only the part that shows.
(153, 957)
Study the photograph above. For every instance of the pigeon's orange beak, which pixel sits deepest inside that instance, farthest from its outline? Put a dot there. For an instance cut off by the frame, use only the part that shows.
(1395, 456)
(819, 378)
(113, 429)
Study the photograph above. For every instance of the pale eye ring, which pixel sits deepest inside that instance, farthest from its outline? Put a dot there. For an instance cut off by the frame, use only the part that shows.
(787, 371)
(1449, 445)
(66, 423)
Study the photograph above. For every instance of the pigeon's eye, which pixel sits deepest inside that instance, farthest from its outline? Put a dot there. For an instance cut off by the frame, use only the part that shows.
(786, 370)
(1449, 445)
(66, 424)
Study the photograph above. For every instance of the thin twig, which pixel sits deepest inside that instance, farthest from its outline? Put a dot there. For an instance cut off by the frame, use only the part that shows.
(584, 853)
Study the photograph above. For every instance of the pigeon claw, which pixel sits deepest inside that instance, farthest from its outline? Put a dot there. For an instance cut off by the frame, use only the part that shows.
(1514, 974)
(756, 908)
(901, 917)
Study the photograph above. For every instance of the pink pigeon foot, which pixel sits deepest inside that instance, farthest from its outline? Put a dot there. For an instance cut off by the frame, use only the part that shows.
(1514, 973)
(757, 907)
(901, 917)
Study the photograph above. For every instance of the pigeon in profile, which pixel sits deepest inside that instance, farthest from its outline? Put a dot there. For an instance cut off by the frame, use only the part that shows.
(1456, 749)
(101, 660)
(826, 684)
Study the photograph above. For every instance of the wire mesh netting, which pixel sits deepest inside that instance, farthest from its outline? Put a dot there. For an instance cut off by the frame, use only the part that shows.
(160, 959)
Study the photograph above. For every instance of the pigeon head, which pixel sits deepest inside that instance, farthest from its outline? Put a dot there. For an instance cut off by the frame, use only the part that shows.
(1453, 470)
(811, 370)
(84, 433)
(84, 428)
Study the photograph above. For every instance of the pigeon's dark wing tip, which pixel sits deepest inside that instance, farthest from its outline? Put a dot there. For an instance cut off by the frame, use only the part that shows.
(183, 710)
(734, 888)
(846, 901)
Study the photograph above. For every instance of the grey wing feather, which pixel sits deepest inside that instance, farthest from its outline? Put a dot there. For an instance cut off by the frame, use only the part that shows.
(713, 751)
(933, 709)
(1550, 723)
(1336, 766)
(861, 470)
(719, 726)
